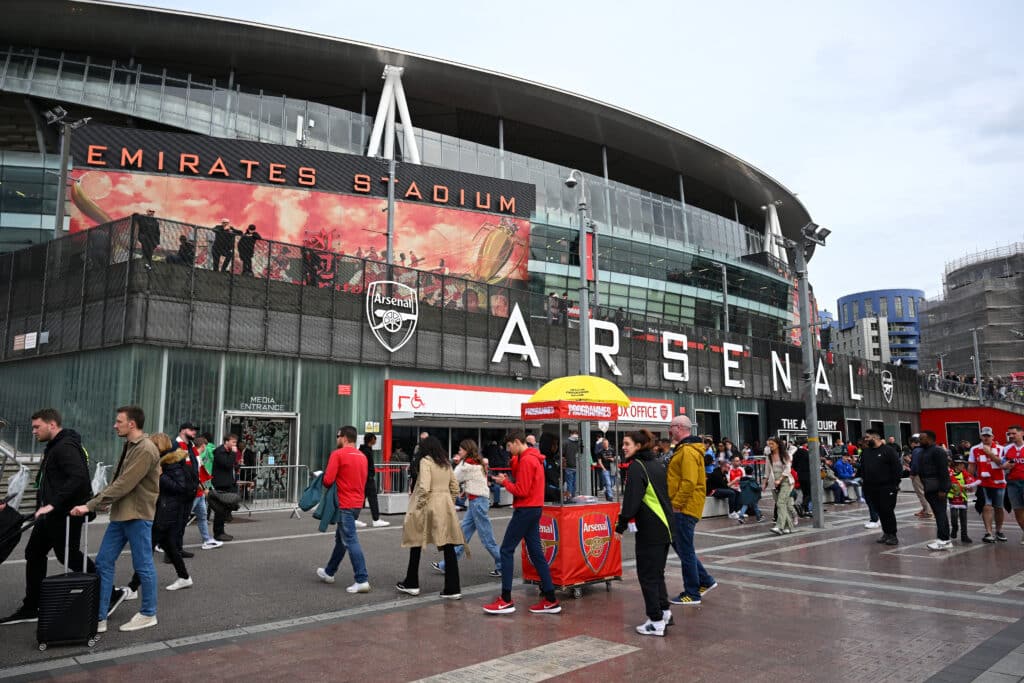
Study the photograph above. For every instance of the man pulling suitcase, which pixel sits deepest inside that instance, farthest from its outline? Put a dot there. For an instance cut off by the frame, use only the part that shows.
(132, 500)
(63, 484)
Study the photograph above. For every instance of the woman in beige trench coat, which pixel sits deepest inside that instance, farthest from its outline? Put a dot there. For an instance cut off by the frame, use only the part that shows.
(431, 520)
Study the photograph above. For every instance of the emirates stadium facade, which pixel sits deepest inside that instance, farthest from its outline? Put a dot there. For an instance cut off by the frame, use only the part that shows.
(200, 120)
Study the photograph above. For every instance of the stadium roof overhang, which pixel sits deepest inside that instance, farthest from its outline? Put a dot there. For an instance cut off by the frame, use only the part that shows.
(323, 68)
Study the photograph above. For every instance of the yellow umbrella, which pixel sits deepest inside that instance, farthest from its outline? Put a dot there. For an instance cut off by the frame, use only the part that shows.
(581, 388)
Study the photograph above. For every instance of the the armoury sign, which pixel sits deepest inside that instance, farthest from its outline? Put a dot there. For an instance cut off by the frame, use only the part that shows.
(198, 156)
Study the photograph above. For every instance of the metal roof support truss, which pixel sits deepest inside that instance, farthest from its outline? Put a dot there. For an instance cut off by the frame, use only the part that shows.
(392, 97)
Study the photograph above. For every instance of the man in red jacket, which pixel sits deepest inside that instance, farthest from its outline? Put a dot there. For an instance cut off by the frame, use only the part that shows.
(347, 468)
(527, 504)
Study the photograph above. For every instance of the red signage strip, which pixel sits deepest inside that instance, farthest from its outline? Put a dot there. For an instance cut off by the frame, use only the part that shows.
(569, 410)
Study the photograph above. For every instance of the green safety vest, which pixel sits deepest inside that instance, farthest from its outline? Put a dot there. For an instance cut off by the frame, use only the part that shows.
(652, 501)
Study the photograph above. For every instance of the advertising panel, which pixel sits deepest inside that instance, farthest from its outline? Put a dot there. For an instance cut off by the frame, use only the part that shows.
(456, 224)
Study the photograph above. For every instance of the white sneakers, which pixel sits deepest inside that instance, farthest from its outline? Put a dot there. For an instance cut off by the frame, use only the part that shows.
(129, 594)
(324, 576)
(211, 544)
(651, 628)
(733, 515)
(380, 522)
(872, 525)
(357, 587)
(101, 626)
(180, 583)
(940, 545)
(360, 524)
(139, 622)
(776, 530)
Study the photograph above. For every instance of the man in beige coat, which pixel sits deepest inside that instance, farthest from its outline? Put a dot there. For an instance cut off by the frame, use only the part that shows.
(131, 498)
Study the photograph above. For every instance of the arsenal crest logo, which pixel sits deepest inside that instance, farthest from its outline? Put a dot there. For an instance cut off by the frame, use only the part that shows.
(392, 309)
(888, 384)
(595, 540)
(549, 538)
(664, 412)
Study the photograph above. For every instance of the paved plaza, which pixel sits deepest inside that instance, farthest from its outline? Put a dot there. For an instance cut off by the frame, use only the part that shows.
(820, 605)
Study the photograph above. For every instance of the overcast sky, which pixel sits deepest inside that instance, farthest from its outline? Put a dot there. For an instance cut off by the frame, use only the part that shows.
(899, 125)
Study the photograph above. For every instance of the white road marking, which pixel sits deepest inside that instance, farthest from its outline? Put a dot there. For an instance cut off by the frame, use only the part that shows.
(872, 601)
(1007, 584)
(837, 582)
(881, 575)
(540, 663)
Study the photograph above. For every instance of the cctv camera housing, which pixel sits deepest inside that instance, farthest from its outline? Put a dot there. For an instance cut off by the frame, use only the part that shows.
(570, 182)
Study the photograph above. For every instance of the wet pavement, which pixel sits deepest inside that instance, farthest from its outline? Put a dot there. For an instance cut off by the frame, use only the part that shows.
(818, 605)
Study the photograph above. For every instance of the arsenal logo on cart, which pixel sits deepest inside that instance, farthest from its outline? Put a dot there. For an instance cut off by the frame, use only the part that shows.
(595, 540)
(548, 538)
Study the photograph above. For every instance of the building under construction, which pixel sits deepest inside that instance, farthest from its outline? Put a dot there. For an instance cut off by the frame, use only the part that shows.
(983, 292)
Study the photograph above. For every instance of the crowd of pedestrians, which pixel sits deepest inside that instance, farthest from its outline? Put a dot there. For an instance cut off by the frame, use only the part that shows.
(160, 482)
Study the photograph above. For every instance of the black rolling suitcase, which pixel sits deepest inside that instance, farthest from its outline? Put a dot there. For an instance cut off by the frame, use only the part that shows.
(69, 602)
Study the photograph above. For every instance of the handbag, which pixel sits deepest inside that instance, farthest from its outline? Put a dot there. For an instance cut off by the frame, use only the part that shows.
(224, 499)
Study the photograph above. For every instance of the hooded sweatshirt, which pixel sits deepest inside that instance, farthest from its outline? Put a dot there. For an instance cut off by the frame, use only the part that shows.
(64, 474)
(528, 488)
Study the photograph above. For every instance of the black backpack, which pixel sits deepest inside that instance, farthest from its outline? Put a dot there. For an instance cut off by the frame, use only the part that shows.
(191, 479)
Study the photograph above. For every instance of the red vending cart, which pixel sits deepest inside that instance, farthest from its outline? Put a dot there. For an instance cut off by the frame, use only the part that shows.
(578, 539)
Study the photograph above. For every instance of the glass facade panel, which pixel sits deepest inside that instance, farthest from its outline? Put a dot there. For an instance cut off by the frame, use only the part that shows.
(897, 304)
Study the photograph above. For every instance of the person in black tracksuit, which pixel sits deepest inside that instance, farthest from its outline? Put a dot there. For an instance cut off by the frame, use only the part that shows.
(802, 465)
(147, 231)
(653, 528)
(246, 248)
(371, 477)
(880, 470)
(933, 468)
(63, 484)
(224, 457)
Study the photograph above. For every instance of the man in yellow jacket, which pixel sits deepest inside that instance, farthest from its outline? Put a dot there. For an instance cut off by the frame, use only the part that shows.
(687, 490)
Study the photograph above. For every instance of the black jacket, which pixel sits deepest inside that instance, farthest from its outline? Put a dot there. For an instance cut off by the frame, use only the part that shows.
(645, 467)
(175, 491)
(717, 480)
(802, 464)
(64, 474)
(247, 244)
(934, 466)
(880, 468)
(223, 468)
(371, 474)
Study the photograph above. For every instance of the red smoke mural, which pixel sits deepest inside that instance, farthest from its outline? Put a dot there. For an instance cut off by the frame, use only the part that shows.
(474, 245)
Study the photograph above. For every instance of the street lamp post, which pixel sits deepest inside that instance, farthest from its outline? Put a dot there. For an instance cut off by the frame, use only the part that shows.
(810, 233)
(575, 177)
(977, 362)
(58, 116)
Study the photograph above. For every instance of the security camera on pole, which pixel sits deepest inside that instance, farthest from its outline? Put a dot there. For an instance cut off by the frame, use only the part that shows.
(809, 234)
(58, 116)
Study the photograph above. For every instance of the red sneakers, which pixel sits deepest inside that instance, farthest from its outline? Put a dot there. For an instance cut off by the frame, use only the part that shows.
(499, 606)
(546, 607)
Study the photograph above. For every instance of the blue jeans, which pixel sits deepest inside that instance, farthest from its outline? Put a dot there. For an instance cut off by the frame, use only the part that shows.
(609, 488)
(138, 533)
(201, 512)
(476, 519)
(753, 508)
(524, 525)
(570, 481)
(345, 540)
(694, 575)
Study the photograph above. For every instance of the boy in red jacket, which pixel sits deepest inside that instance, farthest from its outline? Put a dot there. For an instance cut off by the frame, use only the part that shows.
(527, 504)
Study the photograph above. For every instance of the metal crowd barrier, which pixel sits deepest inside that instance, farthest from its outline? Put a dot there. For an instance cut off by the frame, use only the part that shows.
(392, 477)
(271, 487)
